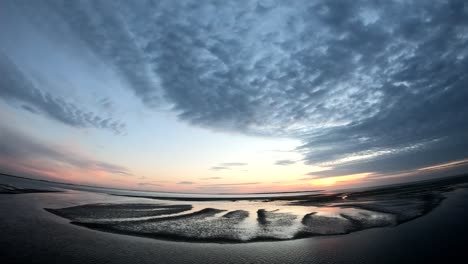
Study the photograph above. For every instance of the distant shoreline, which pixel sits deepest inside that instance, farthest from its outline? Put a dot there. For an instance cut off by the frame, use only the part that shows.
(132, 190)
(238, 196)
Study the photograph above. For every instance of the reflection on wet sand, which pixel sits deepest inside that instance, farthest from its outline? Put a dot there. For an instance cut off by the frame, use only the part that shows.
(280, 218)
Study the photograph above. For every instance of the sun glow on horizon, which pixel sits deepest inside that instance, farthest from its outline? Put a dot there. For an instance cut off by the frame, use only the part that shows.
(331, 181)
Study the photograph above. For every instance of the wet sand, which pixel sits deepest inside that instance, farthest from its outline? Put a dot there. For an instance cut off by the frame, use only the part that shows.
(279, 218)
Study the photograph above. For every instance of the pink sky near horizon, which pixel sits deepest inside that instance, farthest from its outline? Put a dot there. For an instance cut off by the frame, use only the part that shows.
(101, 178)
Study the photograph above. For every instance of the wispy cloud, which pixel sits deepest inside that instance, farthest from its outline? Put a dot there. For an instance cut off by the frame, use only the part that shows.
(285, 162)
(305, 179)
(228, 166)
(218, 168)
(234, 184)
(149, 184)
(20, 154)
(233, 164)
(185, 182)
(17, 89)
(445, 165)
(211, 178)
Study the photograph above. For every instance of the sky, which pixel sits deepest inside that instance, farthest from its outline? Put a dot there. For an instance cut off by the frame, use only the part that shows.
(233, 96)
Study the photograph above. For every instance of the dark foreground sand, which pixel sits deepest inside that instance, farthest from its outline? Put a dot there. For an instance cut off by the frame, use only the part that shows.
(29, 234)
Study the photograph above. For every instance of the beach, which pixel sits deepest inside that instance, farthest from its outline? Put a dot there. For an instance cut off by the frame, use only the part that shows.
(33, 235)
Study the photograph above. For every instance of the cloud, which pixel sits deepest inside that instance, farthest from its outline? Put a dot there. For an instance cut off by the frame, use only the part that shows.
(17, 89)
(363, 86)
(284, 162)
(112, 168)
(186, 182)
(228, 166)
(234, 184)
(21, 154)
(149, 184)
(218, 168)
(305, 179)
(211, 178)
(233, 164)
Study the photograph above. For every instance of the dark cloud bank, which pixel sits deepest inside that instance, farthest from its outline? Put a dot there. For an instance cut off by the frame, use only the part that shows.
(382, 82)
